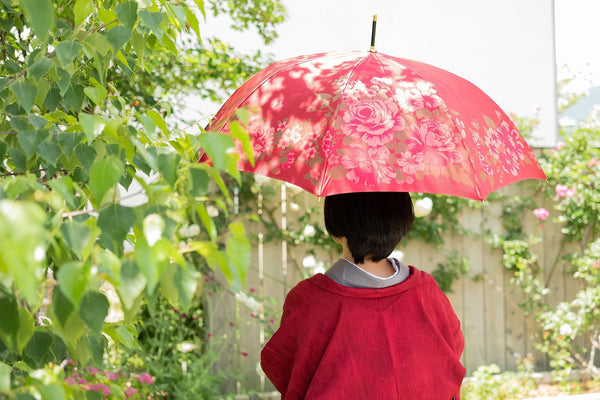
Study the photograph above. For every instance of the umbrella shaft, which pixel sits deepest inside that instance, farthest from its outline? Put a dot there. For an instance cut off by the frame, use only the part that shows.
(373, 29)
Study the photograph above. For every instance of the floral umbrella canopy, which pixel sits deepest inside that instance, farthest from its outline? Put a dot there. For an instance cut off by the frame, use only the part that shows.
(335, 123)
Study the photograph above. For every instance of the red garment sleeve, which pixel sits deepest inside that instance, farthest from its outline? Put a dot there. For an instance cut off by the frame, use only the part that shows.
(277, 356)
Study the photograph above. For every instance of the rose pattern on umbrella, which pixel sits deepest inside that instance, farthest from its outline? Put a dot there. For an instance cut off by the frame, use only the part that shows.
(373, 120)
(368, 165)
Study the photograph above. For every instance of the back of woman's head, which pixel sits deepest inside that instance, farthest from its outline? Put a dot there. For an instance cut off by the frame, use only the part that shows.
(372, 222)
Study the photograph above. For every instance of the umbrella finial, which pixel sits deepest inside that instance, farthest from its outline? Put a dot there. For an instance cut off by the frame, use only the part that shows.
(373, 29)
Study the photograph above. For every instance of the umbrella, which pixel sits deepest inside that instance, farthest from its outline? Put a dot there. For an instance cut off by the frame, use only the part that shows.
(364, 121)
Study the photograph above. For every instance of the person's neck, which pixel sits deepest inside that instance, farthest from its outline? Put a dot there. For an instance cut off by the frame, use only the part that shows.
(382, 268)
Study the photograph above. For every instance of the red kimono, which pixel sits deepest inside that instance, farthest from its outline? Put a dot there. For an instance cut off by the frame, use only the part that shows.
(337, 342)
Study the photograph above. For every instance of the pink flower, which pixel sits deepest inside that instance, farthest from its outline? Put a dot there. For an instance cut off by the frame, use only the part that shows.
(541, 213)
(373, 120)
(368, 166)
(435, 141)
(81, 381)
(596, 264)
(100, 387)
(130, 392)
(145, 378)
(93, 370)
(111, 376)
(289, 160)
(245, 354)
(592, 163)
(70, 380)
(410, 163)
(560, 145)
(564, 191)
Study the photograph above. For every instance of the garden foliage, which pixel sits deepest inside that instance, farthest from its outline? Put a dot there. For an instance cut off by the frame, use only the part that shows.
(99, 193)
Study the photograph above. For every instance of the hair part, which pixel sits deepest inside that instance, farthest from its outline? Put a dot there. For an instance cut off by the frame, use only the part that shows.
(373, 223)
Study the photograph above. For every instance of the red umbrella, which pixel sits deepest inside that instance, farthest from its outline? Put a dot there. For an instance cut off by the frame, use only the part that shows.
(335, 123)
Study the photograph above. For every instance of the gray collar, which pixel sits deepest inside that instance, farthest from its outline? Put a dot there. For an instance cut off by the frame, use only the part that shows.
(349, 274)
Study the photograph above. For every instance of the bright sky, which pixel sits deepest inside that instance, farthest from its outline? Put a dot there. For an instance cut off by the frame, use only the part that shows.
(506, 47)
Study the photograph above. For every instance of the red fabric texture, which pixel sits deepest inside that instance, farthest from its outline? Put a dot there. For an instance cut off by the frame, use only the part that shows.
(338, 342)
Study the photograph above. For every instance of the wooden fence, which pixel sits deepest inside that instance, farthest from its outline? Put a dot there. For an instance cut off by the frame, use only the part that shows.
(495, 328)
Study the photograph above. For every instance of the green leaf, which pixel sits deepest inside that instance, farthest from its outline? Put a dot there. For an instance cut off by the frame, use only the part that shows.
(74, 98)
(118, 36)
(9, 315)
(37, 121)
(53, 391)
(96, 346)
(22, 250)
(132, 283)
(64, 80)
(93, 309)
(81, 10)
(5, 371)
(180, 14)
(26, 326)
(239, 251)
(68, 141)
(97, 94)
(43, 348)
(18, 158)
(31, 139)
(76, 235)
(52, 98)
(209, 224)
(200, 4)
(193, 21)
(25, 94)
(38, 69)
(64, 186)
(240, 134)
(86, 155)
(179, 284)
(127, 13)
(97, 42)
(67, 51)
(72, 280)
(159, 121)
(92, 125)
(49, 152)
(168, 164)
(127, 338)
(152, 20)
(115, 222)
(217, 146)
(3, 148)
(40, 14)
(105, 174)
(198, 182)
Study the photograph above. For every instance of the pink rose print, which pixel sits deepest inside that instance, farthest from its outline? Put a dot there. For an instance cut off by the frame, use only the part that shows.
(513, 148)
(436, 141)
(410, 163)
(493, 142)
(428, 102)
(373, 120)
(289, 160)
(368, 165)
(487, 168)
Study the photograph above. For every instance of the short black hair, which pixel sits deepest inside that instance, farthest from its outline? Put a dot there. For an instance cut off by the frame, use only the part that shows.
(372, 222)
